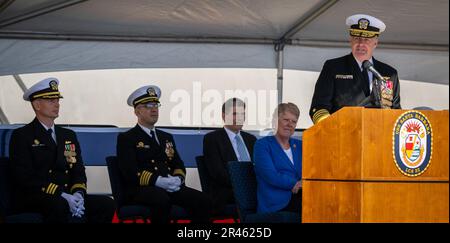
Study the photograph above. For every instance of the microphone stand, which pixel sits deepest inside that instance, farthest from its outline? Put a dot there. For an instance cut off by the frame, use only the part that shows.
(376, 90)
(375, 96)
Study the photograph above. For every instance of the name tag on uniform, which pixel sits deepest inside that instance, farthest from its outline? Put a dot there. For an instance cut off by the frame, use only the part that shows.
(344, 76)
(142, 145)
(36, 143)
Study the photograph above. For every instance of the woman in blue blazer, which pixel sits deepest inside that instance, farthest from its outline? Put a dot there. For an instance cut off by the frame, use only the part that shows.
(278, 165)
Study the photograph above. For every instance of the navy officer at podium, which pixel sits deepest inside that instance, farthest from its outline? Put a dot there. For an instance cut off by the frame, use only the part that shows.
(153, 171)
(344, 82)
(48, 172)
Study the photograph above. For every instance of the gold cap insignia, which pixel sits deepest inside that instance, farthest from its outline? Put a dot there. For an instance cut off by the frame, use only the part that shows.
(151, 92)
(54, 85)
(363, 24)
(36, 142)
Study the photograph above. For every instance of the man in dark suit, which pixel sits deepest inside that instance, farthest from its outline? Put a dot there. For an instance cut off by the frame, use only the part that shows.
(344, 82)
(229, 143)
(149, 162)
(48, 171)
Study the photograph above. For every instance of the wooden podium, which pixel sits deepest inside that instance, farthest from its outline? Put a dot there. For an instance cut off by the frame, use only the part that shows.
(350, 175)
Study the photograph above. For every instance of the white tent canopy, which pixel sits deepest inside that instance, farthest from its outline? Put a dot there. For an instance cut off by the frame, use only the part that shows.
(55, 35)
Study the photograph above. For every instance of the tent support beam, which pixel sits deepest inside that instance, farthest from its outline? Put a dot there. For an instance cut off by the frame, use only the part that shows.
(3, 118)
(5, 4)
(20, 82)
(381, 45)
(309, 17)
(39, 12)
(111, 38)
(295, 42)
(279, 49)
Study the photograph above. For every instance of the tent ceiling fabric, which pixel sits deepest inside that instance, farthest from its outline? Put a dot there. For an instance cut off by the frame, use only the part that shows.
(418, 22)
(170, 18)
(35, 36)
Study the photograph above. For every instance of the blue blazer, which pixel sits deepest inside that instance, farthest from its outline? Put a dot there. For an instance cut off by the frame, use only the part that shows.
(275, 173)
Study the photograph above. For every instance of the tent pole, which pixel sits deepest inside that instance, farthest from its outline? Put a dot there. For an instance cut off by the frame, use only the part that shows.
(39, 12)
(20, 82)
(309, 17)
(5, 4)
(3, 118)
(118, 38)
(382, 45)
(279, 49)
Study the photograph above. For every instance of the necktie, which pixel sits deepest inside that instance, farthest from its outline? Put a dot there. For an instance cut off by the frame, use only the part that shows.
(243, 156)
(51, 134)
(366, 82)
(153, 137)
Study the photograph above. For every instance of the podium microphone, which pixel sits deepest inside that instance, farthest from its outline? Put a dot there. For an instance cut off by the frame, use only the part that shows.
(369, 66)
(377, 84)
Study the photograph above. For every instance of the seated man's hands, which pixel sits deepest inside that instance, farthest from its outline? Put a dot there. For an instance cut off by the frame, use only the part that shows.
(162, 182)
(175, 182)
(74, 203)
(170, 183)
(80, 206)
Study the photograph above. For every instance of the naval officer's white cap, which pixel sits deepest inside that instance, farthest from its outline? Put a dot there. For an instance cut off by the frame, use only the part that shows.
(44, 89)
(363, 25)
(143, 95)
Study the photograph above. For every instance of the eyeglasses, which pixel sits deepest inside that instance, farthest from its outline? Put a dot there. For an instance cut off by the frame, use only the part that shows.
(151, 105)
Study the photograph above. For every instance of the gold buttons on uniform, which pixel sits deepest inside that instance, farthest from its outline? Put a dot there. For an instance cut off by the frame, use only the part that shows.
(156, 168)
(43, 189)
(49, 171)
(65, 185)
(138, 174)
(168, 168)
(67, 172)
(153, 161)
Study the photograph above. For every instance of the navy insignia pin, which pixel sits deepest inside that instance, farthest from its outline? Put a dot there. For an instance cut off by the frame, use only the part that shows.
(363, 24)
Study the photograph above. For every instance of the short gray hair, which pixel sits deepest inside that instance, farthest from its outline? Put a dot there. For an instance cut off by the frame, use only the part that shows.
(288, 107)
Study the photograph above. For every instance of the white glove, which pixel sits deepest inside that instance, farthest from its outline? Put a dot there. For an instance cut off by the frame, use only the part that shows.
(80, 211)
(169, 184)
(163, 182)
(80, 206)
(175, 183)
(72, 201)
(175, 180)
(173, 188)
(78, 195)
